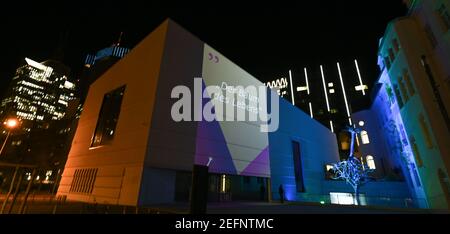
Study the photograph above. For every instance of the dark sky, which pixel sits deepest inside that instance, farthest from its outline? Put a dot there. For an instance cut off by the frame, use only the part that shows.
(265, 40)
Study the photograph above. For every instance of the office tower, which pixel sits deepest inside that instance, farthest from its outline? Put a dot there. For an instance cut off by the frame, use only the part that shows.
(39, 93)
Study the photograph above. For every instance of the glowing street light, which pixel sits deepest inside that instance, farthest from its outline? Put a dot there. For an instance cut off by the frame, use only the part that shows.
(10, 125)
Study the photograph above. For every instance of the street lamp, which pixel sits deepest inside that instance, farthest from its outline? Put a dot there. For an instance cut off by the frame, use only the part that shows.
(10, 125)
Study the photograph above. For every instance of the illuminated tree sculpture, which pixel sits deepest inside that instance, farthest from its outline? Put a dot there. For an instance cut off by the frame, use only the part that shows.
(352, 170)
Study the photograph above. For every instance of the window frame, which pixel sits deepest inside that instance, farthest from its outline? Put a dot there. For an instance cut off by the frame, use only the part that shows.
(105, 109)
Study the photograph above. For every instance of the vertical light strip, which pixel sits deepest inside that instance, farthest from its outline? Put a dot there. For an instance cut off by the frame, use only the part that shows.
(325, 88)
(359, 77)
(345, 95)
(292, 88)
(307, 82)
(326, 96)
(223, 183)
(307, 90)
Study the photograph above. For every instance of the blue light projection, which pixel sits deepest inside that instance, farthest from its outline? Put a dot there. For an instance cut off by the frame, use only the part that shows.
(397, 140)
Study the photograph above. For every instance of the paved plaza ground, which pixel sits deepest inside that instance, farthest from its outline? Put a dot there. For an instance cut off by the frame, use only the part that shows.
(48, 205)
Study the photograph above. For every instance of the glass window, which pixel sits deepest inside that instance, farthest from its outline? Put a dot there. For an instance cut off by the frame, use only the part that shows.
(387, 62)
(346, 199)
(329, 167)
(298, 170)
(398, 96)
(396, 45)
(409, 83)
(108, 117)
(416, 175)
(403, 89)
(425, 131)
(365, 137)
(391, 55)
(416, 152)
(370, 162)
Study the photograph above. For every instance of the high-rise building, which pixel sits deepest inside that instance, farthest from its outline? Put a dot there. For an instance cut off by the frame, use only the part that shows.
(44, 98)
(411, 102)
(38, 94)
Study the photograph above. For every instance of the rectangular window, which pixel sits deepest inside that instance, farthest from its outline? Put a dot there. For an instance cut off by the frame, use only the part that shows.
(391, 55)
(387, 63)
(431, 36)
(347, 199)
(416, 152)
(398, 96)
(296, 153)
(403, 90)
(396, 45)
(425, 131)
(108, 117)
(365, 137)
(409, 83)
(416, 175)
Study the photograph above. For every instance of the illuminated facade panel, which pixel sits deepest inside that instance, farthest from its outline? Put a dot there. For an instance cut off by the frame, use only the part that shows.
(410, 105)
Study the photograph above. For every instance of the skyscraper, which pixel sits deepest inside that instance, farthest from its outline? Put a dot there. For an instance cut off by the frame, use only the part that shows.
(44, 98)
(38, 94)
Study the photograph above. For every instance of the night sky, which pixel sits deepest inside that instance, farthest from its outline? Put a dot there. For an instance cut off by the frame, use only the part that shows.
(265, 40)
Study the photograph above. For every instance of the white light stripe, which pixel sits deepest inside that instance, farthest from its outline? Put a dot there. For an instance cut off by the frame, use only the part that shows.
(345, 95)
(359, 77)
(308, 91)
(325, 88)
(307, 82)
(331, 126)
(292, 88)
(326, 96)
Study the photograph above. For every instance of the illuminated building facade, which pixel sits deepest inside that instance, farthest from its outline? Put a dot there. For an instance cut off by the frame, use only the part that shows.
(411, 101)
(43, 97)
(129, 150)
(328, 93)
(38, 94)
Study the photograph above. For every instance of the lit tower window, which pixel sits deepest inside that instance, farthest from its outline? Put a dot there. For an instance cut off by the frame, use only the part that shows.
(370, 162)
(365, 137)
